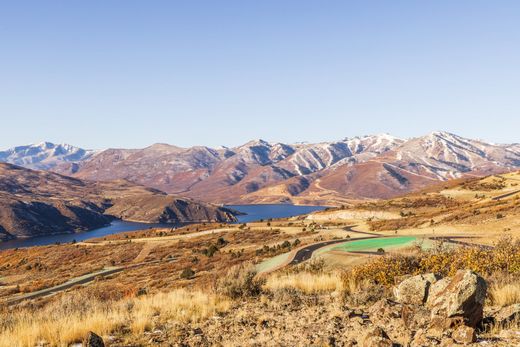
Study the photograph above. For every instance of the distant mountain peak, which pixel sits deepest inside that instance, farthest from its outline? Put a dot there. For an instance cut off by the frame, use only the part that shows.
(44, 155)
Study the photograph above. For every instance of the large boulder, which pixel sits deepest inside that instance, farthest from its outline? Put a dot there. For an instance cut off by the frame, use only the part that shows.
(436, 288)
(414, 290)
(460, 302)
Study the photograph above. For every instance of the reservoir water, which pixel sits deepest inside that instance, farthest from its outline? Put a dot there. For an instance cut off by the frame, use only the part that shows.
(253, 213)
(258, 212)
(115, 227)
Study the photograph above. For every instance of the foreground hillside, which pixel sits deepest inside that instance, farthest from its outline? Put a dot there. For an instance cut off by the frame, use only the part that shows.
(195, 286)
(37, 203)
(329, 173)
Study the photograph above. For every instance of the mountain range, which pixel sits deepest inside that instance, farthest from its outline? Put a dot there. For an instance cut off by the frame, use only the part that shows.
(367, 167)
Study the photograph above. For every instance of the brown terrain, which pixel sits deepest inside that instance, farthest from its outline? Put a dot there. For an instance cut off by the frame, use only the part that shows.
(225, 284)
(37, 203)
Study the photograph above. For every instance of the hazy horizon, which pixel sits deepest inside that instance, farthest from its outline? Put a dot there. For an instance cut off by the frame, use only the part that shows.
(99, 75)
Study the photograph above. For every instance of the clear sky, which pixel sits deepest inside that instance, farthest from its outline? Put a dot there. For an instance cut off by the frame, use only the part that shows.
(131, 73)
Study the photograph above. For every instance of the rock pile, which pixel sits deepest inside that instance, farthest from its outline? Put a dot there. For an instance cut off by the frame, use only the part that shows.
(429, 310)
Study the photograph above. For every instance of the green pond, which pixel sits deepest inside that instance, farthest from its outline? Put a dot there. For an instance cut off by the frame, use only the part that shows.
(371, 244)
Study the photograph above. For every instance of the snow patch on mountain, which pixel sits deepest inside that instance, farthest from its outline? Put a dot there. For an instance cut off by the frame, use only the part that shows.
(44, 155)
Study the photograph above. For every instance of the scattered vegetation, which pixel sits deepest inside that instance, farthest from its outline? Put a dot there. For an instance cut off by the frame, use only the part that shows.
(504, 258)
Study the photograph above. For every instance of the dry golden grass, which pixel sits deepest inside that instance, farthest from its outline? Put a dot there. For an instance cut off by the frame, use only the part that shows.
(179, 305)
(497, 329)
(306, 282)
(504, 294)
(69, 319)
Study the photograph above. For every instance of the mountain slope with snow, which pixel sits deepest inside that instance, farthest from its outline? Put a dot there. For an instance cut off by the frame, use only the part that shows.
(376, 166)
(44, 155)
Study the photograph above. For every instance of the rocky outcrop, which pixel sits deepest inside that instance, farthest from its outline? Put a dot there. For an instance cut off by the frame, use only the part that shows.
(461, 302)
(292, 318)
(432, 311)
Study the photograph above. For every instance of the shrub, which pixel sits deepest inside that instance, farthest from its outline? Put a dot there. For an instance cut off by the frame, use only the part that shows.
(221, 242)
(505, 257)
(187, 273)
(240, 282)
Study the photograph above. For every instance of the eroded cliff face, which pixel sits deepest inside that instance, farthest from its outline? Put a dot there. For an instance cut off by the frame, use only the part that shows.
(34, 203)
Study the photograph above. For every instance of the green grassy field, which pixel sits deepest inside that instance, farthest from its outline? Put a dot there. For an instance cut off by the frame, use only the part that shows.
(386, 243)
(374, 244)
(272, 263)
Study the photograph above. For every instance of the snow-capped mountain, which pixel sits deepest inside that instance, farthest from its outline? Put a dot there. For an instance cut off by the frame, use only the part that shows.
(376, 166)
(444, 156)
(44, 155)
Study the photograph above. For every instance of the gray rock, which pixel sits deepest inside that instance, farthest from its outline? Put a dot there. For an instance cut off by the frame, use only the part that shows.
(414, 290)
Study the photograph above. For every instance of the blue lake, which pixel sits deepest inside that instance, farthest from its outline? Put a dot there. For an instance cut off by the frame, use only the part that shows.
(257, 212)
(115, 227)
(253, 213)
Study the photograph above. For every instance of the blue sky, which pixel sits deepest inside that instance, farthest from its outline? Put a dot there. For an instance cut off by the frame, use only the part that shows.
(131, 73)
